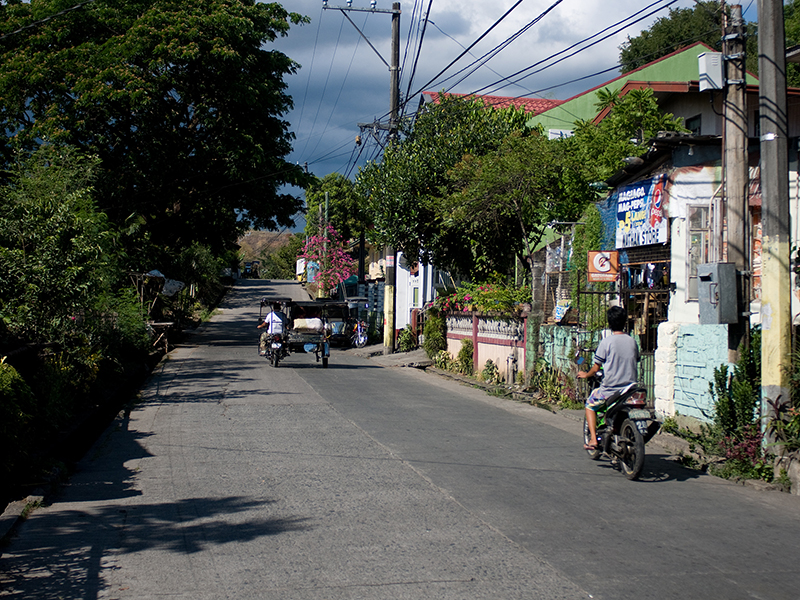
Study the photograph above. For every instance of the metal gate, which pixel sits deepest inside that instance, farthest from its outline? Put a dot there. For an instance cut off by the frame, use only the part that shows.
(646, 302)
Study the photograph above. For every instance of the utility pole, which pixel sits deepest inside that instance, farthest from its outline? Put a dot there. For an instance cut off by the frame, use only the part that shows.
(390, 291)
(323, 231)
(390, 287)
(776, 299)
(736, 169)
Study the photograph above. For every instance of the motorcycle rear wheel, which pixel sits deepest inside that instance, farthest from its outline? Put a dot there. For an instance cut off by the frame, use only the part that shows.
(593, 454)
(276, 356)
(631, 459)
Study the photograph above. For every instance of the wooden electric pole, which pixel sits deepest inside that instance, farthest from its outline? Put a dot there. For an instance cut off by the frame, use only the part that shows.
(776, 299)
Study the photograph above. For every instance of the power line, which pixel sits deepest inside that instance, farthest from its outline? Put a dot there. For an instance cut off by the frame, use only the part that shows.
(327, 79)
(308, 79)
(505, 79)
(502, 46)
(341, 88)
(419, 47)
(622, 25)
(46, 19)
(483, 35)
(410, 36)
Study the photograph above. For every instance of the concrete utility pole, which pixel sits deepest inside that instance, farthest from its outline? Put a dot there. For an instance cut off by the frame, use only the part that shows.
(390, 289)
(776, 298)
(736, 168)
(323, 231)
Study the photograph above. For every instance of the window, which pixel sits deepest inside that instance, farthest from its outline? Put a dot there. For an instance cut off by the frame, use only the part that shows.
(694, 124)
(698, 241)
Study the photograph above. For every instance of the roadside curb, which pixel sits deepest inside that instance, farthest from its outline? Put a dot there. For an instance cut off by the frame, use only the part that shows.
(14, 514)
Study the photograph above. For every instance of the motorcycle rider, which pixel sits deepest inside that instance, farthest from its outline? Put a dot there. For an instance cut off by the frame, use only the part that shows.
(274, 323)
(618, 355)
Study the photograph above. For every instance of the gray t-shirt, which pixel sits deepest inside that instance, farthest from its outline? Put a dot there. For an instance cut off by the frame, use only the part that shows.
(619, 356)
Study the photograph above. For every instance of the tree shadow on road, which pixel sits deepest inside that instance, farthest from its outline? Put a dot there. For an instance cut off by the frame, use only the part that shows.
(71, 553)
(67, 550)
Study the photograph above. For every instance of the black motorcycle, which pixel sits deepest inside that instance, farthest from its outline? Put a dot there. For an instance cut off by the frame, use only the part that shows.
(624, 426)
(276, 349)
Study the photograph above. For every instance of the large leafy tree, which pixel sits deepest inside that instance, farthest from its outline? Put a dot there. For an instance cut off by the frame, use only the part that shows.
(181, 100)
(680, 28)
(505, 200)
(631, 121)
(406, 189)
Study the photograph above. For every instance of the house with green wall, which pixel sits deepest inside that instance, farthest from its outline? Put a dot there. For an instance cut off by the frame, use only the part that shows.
(675, 79)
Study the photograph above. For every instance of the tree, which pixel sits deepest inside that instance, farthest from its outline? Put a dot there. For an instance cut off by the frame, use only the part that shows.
(406, 187)
(507, 198)
(180, 99)
(791, 22)
(57, 252)
(683, 27)
(346, 213)
(326, 249)
(282, 263)
(633, 119)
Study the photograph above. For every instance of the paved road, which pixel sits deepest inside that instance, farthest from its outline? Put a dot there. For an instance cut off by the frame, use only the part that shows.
(232, 479)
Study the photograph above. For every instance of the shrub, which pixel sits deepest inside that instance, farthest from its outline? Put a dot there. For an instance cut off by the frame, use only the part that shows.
(555, 386)
(490, 372)
(463, 362)
(17, 408)
(406, 340)
(435, 333)
(443, 360)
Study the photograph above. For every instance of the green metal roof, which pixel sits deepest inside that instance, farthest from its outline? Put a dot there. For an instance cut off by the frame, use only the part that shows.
(680, 66)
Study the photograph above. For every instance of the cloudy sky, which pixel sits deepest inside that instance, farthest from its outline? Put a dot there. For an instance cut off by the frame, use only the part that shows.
(342, 82)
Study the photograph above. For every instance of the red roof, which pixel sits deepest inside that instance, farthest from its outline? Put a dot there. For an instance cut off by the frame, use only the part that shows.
(531, 105)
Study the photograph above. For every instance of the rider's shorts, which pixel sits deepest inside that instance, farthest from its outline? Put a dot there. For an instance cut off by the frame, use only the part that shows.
(596, 399)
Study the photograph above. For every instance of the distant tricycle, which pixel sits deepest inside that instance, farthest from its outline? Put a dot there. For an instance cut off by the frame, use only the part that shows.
(309, 327)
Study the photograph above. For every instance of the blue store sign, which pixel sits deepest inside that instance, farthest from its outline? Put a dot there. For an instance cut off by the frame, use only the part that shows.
(641, 218)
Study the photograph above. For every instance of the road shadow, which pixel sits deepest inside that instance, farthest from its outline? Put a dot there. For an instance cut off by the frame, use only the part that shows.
(65, 550)
(659, 468)
(73, 558)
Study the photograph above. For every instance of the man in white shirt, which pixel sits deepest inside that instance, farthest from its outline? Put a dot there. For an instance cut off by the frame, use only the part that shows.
(274, 323)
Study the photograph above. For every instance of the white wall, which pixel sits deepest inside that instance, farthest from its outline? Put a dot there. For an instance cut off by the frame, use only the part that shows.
(688, 185)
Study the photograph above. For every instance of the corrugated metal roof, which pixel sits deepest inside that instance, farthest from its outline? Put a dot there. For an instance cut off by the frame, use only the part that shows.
(531, 105)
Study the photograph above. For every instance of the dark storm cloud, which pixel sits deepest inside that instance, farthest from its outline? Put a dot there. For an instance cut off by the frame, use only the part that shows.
(342, 82)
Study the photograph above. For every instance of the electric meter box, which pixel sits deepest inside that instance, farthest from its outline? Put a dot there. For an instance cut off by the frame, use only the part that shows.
(712, 75)
(717, 293)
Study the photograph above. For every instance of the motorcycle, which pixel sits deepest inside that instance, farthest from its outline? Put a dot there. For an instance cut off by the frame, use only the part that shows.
(359, 338)
(624, 426)
(276, 349)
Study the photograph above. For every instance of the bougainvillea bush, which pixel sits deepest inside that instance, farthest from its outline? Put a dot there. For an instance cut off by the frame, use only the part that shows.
(486, 297)
(335, 264)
